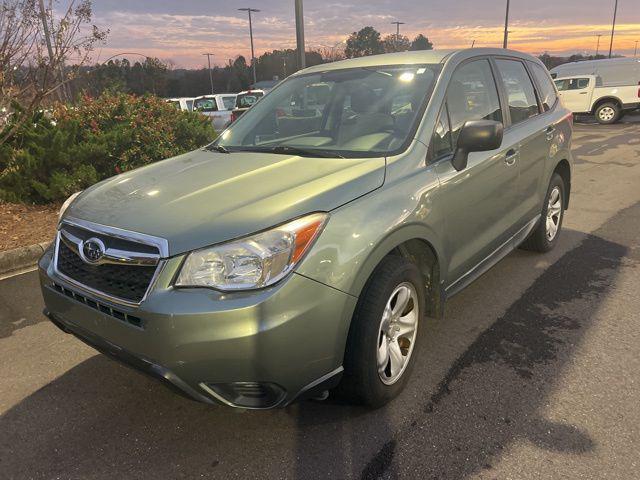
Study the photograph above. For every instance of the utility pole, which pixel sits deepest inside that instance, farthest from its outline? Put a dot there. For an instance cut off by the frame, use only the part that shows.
(47, 38)
(635, 50)
(253, 56)
(598, 45)
(613, 28)
(210, 75)
(473, 42)
(506, 26)
(300, 48)
(397, 24)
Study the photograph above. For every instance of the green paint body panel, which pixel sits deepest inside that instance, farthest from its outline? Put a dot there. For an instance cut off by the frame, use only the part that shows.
(295, 332)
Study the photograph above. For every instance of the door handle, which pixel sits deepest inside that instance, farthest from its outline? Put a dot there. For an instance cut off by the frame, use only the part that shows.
(510, 157)
(549, 131)
(583, 93)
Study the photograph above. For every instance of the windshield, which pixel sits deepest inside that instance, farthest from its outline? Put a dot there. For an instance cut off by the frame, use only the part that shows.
(358, 112)
(205, 105)
(247, 99)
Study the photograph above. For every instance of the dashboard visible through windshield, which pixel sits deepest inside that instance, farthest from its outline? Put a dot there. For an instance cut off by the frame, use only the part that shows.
(357, 112)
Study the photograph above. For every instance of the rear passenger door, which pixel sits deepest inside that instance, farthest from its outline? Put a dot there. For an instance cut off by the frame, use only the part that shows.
(478, 202)
(527, 131)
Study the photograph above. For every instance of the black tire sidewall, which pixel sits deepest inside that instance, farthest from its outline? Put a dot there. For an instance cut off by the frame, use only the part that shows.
(615, 118)
(361, 371)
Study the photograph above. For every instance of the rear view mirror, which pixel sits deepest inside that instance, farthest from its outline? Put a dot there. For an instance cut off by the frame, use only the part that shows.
(476, 136)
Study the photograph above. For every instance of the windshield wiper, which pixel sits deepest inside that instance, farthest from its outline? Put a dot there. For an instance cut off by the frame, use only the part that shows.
(217, 148)
(303, 152)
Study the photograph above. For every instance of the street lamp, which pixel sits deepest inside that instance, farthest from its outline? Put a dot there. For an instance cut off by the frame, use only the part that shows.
(397, 24)
(210, 76)
(302, 60)
(613, 27)
(506, 27)
(253, 57)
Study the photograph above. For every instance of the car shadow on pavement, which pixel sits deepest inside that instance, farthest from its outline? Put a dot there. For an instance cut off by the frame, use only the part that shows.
(101, 420)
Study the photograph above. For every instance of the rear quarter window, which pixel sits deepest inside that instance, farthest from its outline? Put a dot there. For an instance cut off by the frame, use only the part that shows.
(546, 89)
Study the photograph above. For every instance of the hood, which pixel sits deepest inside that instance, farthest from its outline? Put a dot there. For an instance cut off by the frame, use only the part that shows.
(202, 198)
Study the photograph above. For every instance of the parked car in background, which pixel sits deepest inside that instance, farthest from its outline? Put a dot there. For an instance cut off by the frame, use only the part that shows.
(182, 103)
(218, 107)
(244, 101)
(606, 88)
(285, 259)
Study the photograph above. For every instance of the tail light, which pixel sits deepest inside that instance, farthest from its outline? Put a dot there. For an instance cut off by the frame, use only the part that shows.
(638, 89)
(234, 116)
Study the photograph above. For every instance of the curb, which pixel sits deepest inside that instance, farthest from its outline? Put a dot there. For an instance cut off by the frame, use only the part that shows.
(21, 258)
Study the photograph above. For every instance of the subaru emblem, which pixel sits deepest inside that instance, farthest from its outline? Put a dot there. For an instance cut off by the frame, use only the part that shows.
(92, 250)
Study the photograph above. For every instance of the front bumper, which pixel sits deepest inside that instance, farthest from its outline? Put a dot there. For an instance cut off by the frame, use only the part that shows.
(289, 338)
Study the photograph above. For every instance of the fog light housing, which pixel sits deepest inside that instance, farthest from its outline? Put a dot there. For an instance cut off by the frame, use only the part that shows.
(246, 394)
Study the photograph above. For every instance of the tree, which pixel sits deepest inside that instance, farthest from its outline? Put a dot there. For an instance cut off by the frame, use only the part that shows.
(421, 43)
(365, 42)
(396, 43)
(32, 58)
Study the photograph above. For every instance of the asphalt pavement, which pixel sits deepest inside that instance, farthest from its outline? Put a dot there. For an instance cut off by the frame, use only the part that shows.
(533, 373)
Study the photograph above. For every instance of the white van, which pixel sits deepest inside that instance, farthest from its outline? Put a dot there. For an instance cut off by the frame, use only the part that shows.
(605, 88)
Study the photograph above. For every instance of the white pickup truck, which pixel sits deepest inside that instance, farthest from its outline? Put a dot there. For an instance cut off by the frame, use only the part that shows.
(606, 89)
(217, 107)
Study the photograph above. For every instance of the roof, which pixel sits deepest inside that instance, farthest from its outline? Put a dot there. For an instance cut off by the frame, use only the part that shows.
(409, 58)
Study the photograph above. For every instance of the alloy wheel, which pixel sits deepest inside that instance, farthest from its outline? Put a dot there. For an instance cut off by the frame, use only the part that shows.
(606, 114)
(397, 333)
(554, 213)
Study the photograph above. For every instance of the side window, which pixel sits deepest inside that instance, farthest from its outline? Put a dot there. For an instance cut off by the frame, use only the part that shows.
(547, 92)
(441, 139)
(520, 91)
(562, 85)
(578, 83)
(472, 95)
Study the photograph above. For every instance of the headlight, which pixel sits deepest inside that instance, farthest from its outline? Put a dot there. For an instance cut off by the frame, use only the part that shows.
(252, 262)
(66, 204)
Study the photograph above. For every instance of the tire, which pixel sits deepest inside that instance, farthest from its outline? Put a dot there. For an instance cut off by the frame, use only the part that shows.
(543, 238)
(362, 383)
(608, 113)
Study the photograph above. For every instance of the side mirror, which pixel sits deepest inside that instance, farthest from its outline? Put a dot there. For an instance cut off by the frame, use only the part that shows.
(476, 136)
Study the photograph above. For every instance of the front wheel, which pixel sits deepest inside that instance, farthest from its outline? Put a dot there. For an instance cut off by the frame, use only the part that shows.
(546, 234)
(608, 113)
(382, 341)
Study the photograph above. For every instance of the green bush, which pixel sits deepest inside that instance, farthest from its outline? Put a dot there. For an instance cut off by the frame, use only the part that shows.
(72, 147)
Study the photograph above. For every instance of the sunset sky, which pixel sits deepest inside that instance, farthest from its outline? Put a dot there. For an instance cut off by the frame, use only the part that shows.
(180, 31)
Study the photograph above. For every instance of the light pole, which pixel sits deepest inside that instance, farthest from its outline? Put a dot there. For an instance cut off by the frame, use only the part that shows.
(635, 50)
(210, 76)
(598, 45)
(397, 24)
(253, 57)
(613, 27)
(302, 60)
(506, 27)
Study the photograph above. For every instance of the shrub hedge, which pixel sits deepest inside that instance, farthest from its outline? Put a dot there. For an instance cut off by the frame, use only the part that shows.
(69, 148)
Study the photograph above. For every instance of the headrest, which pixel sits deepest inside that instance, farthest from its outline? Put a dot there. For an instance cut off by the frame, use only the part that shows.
(363, 100)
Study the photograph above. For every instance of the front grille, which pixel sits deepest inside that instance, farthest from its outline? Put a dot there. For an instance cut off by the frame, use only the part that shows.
(101, 307)
(127, 282)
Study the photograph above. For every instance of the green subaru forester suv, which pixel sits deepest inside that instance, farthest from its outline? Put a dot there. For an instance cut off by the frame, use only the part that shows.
(303, 249)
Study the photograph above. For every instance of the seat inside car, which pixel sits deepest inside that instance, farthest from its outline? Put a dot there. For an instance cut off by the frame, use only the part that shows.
(370, 123)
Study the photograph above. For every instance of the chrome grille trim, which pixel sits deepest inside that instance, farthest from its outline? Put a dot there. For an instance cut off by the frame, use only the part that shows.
(159, 261)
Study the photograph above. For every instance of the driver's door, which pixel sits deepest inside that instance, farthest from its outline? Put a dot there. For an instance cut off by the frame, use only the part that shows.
(576, 92)
(479, 202)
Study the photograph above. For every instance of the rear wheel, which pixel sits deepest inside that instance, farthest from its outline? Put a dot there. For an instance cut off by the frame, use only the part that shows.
(607, 113)
(546, 234)
(382, 341)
